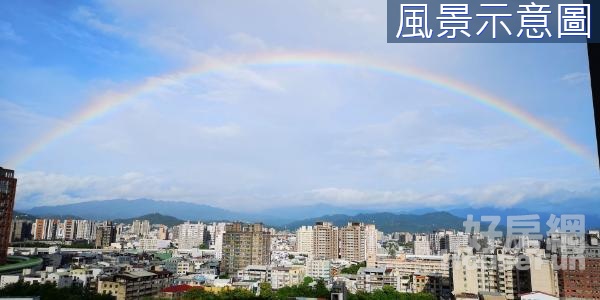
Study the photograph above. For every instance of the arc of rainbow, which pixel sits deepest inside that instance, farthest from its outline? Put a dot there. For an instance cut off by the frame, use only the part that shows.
(104, 103)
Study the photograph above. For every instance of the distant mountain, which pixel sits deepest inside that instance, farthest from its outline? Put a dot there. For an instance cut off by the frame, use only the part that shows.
(124, 209)
(299, 212)
(592, 221)
(389, 222)
(292, 217)
(155, 218)
(23, 216)
(31, 217)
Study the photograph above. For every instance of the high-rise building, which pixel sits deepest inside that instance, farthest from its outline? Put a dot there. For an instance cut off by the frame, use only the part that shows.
(437, 241)
(495, 273)
(578, 264)
(325, 241)
(21, 230)
(136, 227)
(8, 189)
(70, 230)
(421, 244)
(105, 234)
(145, 228)
(357, 241)
(47, 229)
(119, 230)
(542, 273)
(190, 235)
(453, 242)
(244, 245)
(371, 236)
(39, 229)
(304, 239)
(219, 230)
(163, 232)
(141, 228)
(86, 230)
(53, 229)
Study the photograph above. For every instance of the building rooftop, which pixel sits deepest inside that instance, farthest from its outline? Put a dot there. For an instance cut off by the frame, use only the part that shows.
(371, 270)
(179, 288)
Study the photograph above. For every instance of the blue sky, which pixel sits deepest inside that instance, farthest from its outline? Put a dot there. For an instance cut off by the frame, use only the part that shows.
(258, 137)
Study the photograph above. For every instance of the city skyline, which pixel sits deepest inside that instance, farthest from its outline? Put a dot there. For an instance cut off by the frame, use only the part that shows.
(109, 100)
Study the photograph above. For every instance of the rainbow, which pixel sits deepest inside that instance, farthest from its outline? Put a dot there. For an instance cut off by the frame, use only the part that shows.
(102, 104)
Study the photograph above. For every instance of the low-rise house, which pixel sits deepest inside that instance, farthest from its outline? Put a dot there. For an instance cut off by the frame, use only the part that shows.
(370, 279)
(176, 291)
(261, 273)
(135, 284)
(287, 276)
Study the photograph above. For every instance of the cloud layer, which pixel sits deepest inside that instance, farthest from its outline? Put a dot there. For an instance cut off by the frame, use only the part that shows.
(259, 136)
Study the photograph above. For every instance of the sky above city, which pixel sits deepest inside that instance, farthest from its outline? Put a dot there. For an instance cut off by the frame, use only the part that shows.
(114, 99)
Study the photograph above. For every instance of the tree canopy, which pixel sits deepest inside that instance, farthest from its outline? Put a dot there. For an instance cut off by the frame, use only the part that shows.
(353, 269)
(305, 289)
(49, 291)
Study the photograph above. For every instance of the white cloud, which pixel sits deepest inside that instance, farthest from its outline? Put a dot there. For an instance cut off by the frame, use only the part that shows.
(248, 41)
(86, 16)
(359, 14)
(257, 132)
(502, 195)
(8, 33)
(225, 131)
(241, 75)
(416, 129)
(576, 77)
(41, 188)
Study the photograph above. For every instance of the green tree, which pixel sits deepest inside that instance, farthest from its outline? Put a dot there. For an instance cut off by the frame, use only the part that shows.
(51, 292)
(236, 294)
(392, 249)
(321, 290)
(266, 291)
(353, 269)
(200, 294)
(307, 280)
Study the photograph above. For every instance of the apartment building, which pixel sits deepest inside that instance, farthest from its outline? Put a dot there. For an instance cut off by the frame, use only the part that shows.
(325, 241)
(287, 276)
(141, 228)
(105, 234)
(357, 241)
(8, 188)
(319, 269)
(244, 245)
(190, 235)
(578, 260)
(134, 284)
(260, 273)
(421, 244)
(163, 232)
(304, 240)
(370, 279)
(21, 230)
(496, 273)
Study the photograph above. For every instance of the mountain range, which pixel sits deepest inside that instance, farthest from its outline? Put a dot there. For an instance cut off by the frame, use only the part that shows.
(389, 222)
(291, 217)
(154, 218)
(173, 213)
(123, 209)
